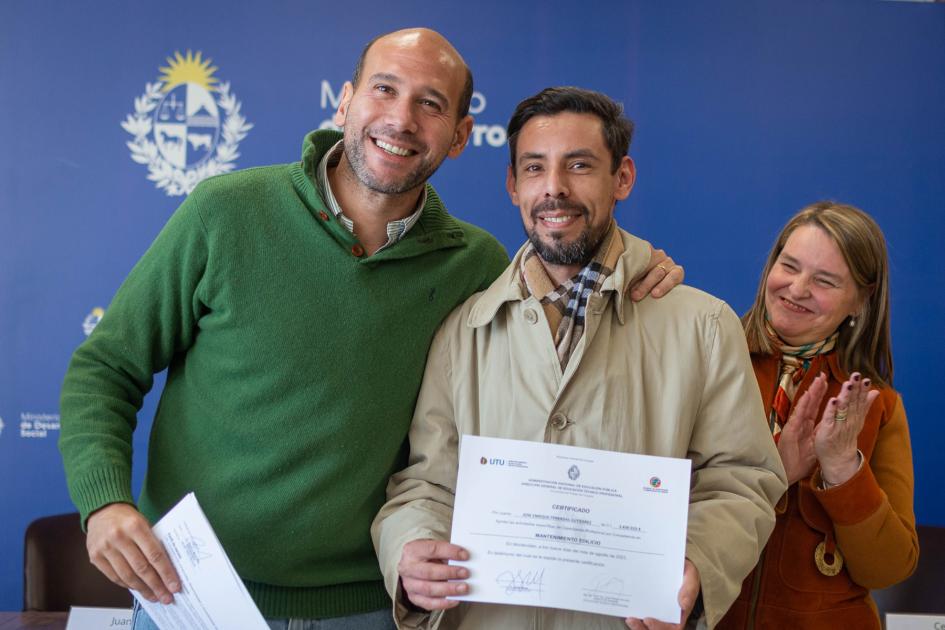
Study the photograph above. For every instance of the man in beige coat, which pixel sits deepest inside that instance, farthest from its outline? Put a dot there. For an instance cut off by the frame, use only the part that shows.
(556, 351)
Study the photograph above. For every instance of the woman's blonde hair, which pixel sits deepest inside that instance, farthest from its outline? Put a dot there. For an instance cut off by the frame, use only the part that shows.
(866, 346)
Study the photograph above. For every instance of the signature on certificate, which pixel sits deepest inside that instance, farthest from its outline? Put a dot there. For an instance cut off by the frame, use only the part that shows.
(608, 584)
(194, 547)
(519, 581)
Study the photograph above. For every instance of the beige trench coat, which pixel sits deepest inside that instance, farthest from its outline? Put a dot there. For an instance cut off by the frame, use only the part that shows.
(668, 377)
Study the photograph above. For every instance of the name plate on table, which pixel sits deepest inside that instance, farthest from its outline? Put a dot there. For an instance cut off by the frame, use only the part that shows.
(84, 618)
(896, 621)
(573, 528)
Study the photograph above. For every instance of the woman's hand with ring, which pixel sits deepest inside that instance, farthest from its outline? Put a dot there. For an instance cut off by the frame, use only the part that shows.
(841, 423)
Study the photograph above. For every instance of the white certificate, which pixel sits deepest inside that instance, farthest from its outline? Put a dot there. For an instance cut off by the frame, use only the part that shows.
(212, 596)
(574, 528)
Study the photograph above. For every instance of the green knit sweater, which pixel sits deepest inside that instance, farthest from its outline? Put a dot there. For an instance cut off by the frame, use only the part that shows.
(294, 366)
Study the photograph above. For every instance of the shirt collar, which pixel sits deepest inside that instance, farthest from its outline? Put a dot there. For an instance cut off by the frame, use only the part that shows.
(395, 229)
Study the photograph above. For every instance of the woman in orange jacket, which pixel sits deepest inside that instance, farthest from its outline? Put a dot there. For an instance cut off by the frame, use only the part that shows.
(819, 329)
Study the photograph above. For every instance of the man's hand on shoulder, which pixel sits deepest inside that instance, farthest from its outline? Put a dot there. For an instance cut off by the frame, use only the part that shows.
(424, 573)
(662, 275)
(688, 593)
(121, 546)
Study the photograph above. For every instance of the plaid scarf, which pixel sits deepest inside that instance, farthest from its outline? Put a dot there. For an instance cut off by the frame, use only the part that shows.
(565, 305)
(795, 361)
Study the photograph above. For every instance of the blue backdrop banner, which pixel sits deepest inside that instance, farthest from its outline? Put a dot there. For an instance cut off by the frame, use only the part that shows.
(746, 111)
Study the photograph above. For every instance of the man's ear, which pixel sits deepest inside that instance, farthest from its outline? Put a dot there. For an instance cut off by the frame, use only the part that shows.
(461, 136)
(341, 114)
(510, 184)
(626, 175)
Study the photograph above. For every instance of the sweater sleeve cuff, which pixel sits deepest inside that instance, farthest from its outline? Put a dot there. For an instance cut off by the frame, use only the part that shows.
(853, 501)
(98, 489)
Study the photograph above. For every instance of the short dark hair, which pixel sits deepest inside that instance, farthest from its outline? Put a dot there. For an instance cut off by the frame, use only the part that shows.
(464, 99)
(617, 128)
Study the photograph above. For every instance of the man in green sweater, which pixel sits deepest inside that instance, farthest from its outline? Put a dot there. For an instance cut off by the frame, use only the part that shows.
(293, 306)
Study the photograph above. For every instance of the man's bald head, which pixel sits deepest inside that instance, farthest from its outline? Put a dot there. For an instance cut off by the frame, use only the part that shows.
(411, 37)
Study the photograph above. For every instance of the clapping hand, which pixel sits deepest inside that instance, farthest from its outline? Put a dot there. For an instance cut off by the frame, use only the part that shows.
(796, 444)
(835, 437)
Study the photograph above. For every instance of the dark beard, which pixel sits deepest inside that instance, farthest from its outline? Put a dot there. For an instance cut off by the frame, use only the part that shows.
(354, 151)
(579, 251)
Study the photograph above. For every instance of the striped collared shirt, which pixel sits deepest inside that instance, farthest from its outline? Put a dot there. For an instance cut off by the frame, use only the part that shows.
(395, 229)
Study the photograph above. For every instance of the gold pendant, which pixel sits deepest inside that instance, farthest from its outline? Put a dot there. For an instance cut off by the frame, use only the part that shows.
(827, 569)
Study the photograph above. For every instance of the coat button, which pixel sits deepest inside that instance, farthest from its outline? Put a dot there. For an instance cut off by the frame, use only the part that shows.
(357, 250)
(531, 316)
(323, 216)
(559, 421)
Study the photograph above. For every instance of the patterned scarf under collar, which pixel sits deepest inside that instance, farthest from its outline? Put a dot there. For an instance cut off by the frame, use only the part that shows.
(795, 360)
(564, 305)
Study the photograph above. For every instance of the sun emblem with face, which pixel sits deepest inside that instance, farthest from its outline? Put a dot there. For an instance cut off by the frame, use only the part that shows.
(186, 126)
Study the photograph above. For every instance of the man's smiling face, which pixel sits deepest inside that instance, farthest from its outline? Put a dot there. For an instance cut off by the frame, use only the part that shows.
(564, 186)
(401, 120)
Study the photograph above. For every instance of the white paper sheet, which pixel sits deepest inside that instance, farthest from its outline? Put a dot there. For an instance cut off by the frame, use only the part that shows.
(574, 528)
(212, 595)
(88, 618)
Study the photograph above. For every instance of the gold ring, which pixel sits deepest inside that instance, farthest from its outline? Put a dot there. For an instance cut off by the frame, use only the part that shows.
(841, 414)
(665, 271)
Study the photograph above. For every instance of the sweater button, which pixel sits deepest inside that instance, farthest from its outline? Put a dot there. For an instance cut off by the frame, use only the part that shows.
(559, 421)
(323, 215)
(531, 316)
(357, 250)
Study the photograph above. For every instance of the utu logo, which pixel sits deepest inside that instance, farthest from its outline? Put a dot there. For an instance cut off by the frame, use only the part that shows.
(496, 462)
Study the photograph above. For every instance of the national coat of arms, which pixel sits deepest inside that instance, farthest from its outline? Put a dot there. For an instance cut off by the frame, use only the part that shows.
(187, 125)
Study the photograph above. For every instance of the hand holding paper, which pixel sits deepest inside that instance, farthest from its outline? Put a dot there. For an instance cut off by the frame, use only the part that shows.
(122, 546)
(425, 574)
(212, 595)
(573, 528)
(688, 594)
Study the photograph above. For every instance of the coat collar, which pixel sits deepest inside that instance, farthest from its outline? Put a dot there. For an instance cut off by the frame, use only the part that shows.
(509, 286)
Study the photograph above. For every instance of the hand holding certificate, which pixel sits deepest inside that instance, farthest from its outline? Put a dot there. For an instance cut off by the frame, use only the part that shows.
(575, 528)
(424, 573)
(212, 594)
